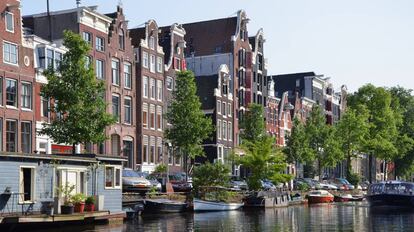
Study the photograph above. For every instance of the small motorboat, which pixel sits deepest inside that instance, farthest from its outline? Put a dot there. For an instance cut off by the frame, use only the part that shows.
(357, 197)
(320, 196)
(201, 205)
(343, 198)
(164, 206)
(397, 194)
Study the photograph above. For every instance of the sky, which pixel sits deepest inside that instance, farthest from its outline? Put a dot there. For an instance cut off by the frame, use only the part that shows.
(354, 42)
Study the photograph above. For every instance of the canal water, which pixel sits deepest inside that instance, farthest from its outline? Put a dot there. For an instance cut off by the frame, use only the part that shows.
(350, 216)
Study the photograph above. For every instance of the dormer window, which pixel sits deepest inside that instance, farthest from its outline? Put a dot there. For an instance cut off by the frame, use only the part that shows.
(121, 39)
(9, 21)
(152, 42)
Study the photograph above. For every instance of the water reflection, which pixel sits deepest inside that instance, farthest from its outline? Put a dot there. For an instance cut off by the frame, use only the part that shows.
(325, 217)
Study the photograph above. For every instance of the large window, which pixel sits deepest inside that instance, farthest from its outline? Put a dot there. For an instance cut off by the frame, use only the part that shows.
(145, 59)
(159, 90)
(100, 44)
(112, 177)
(9, 21)
(49, 58)
(11, 135)
(218, 129)
(115, 72)
(152, 63)
(115, 144)
(152, 154)
(100, 69)
(159, 64)
(87, 37)
(26, 96)
(128, 147)
(152, 117)
(11, 92)
(224, 135)
(128, 110)
(145, 152)
(26, 137)
(115, 107)
(169, 83)
(145, 87)
(127, 76)
(27, 184)
(230, 131)
(10, 53)
(152, 87)
(145, 115)
(159, 118)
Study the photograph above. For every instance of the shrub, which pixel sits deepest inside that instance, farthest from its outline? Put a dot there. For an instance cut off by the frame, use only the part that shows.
(354, 178)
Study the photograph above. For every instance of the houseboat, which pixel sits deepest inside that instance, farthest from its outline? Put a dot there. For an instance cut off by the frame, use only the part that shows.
(320, 196)
(391, 194)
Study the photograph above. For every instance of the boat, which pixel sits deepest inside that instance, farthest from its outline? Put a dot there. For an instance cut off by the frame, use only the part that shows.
(201, 205)
(391, 194)
(343, 198)
(320, 196)
(164, 206)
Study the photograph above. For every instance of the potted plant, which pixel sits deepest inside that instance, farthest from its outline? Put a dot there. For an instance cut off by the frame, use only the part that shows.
(90, 204)
(65, 192)
(79, 201)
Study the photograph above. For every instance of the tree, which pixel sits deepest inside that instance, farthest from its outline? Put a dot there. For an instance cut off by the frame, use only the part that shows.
(253, 124)
(216, 174)
(189, 125)
(352, 130)
(77, 96)
(324, 147)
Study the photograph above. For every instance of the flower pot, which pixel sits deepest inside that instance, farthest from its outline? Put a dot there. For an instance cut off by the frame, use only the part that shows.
(90, 207)
(47, 207)
(66, 209)
(79, 207)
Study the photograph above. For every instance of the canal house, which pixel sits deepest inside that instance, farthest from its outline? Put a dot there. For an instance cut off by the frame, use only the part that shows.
(29, 180)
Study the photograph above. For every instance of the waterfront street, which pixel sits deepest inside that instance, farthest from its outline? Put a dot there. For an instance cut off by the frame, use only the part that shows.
(323, 217)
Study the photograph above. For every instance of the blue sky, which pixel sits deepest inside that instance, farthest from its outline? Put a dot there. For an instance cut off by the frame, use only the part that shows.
(354, 42)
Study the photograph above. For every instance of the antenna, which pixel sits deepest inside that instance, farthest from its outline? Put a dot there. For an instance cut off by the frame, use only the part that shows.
(78, 2)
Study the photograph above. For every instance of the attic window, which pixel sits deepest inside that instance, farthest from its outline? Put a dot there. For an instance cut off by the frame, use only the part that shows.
(121, 39)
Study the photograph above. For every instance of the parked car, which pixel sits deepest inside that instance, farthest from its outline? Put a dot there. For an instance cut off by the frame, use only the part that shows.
(177, 181)
(154, 182)
(133, 182)
(327, 186)
(268, 185)
(237, 183)
(314, 184)
(342, 184)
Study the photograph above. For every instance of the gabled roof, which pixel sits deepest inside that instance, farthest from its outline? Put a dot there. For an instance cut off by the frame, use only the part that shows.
(136, 35)
(209, 37)
(287, 82)
(205, 90)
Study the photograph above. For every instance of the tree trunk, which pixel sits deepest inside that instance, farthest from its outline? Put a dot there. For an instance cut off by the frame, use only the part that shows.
(370, 168)
(385, 171)
(319, 170)
(73, 149)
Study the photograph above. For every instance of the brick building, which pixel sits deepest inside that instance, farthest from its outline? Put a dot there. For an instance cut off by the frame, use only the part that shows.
(17, 119)
(111, 56)
(259, 69)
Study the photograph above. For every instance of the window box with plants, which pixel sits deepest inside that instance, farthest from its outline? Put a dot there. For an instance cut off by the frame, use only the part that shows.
(79, 202)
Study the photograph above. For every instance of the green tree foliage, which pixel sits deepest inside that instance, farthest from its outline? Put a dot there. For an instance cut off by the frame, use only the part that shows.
(352, 131)
(296, 149)
(78, 96)
(262, 158)
(208, 174)
(189, 124)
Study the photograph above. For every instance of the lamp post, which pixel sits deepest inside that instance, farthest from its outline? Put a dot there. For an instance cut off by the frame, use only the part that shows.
(168, 186)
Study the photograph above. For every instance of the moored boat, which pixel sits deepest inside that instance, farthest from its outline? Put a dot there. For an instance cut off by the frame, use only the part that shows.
(391, 194)
(343, 198)
(164, 206)
(320, 196)
(201, 205)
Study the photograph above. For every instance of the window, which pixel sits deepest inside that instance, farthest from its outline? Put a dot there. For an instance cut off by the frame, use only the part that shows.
(177, 63)
(218, 107)
(10, 53)
(26, 137)
(223, 109)
(219, 129)
(152, 86)
(27, 184)
(49, 58)
(87, 37)
(152, 63)
(115, 107)
(145, 86)
(45, 107)
(100, 69)
(159, 151)
(224, 131)
(159, 90)
(159, 64)
(88, 61)
(101, 148)
(112, 177)
(58, 60)
(229, 109)
(115, 144)
(145, 59)
(230, 133)
(152, 42)
(128, 147)
(128, 110)
(159, 117)
(11, 92)
(26, 95)
(145, 116)
(169, 83)
(1, 91)
(145, 150)
(152, 116)
(11, 135)
(152, 154)
(100, 44)
(9, 21)
(121, 39)
(127, 76)
(115, 72)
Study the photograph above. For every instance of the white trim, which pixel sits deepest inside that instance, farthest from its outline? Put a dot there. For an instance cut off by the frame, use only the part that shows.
(5, 21)
(115, 167)
(32, 187)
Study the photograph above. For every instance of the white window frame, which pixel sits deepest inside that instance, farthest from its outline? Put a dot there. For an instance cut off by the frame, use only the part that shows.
(116, 80)
(101, 47)
(153, 94)
(33, 185)
(145, 60)
(152, 63)
(115, 167)
(219, 129)
(230, 131)
(159, 91)
(130, 110)
(17, 53)
(78, 171)
(102, 70)
(12, 21)
(145, 86)
(159, 64)
(218, 106)
(172, 83)
(118, 117)
(152, 42)
(17, 94)
(30, 86)
(127, 75)
(224, 130)
(229, 109)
